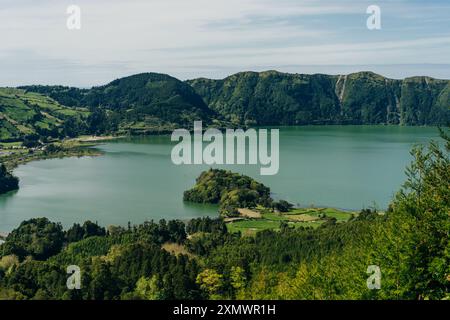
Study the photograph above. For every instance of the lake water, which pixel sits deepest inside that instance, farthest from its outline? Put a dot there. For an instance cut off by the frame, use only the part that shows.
(349, 167)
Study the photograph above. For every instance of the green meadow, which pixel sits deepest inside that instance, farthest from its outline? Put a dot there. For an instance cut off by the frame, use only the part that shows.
(296, 218)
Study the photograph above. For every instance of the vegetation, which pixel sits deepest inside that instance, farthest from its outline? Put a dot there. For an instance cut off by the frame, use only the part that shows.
(38, 118)
(293, 218)
(274, 98)
(139, 104)
(230, 190)
(12, 157)
(150, 103)
(7, 181)
(202, 260)
(272, 250)
(38, 238)
(29, 116)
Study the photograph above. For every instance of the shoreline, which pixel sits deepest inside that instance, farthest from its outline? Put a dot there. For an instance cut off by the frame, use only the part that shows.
(94, 138)
(83, 146)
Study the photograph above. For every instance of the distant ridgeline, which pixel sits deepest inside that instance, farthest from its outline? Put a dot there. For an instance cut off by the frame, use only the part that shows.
(158, 103)
(143, 103)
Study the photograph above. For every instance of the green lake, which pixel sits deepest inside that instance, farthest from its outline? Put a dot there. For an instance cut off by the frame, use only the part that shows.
(349, 167)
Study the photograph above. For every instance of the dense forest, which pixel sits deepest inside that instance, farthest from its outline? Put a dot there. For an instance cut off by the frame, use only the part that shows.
(275, 98)
(157, 103)
(409, 243)
(230, 190)
(139, 104)
(7, 181)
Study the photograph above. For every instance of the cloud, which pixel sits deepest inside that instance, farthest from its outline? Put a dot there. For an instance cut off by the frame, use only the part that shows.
(177, 36)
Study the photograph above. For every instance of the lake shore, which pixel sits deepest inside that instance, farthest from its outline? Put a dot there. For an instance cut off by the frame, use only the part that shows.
(81, 146)
(351, 168)
(95, 138)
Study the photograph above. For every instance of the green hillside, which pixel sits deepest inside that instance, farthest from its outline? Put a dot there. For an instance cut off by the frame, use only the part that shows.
(274, 98)
(25, 114)
(155, 103)
(142, 103)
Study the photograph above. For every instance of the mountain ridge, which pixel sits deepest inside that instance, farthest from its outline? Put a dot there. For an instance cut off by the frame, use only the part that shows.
(148, 103)
(356, 98)
(137, 104)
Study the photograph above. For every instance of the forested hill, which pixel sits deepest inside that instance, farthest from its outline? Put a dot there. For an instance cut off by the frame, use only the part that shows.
(274, 98)
(152, 102)
(7, 181)
(140, 103)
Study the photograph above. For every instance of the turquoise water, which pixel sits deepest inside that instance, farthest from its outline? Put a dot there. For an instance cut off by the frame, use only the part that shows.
(349, 167)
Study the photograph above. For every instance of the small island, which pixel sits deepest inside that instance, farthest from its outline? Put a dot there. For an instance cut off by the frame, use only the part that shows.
(247, 207)
(230, 190)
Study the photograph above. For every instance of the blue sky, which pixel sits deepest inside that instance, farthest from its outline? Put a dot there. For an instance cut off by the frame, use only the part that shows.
(215, 38)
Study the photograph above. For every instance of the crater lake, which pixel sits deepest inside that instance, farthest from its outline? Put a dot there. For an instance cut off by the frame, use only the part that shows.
(347, 167)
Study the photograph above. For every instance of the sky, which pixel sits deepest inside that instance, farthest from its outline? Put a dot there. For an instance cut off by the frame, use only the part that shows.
(216, 38)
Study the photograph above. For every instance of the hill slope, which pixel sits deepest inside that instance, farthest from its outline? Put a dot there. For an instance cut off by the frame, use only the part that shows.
(140, 103)
(151, 102)
(25, 114)
(7, 181)
(276, 98)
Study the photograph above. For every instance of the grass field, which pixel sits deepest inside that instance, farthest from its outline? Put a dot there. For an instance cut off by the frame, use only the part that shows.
(252, 226)
(297, 217)
(340, 215)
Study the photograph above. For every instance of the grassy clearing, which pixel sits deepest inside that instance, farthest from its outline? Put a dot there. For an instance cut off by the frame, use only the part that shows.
(307, 224)
(340, 215)
(297, 217)
(249, 213)
(252, 226)
(303, 217)
(176, 249)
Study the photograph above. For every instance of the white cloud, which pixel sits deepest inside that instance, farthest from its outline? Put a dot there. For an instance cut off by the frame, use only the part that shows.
(173, 36)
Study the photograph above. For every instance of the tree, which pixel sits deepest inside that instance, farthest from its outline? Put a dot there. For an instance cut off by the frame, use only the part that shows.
(7, 181)
(411, 245)
(36, 237)
(282, 206)
(149, 288)
(88, 229)
(238, 279)
(211, 282)
(176, 230)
